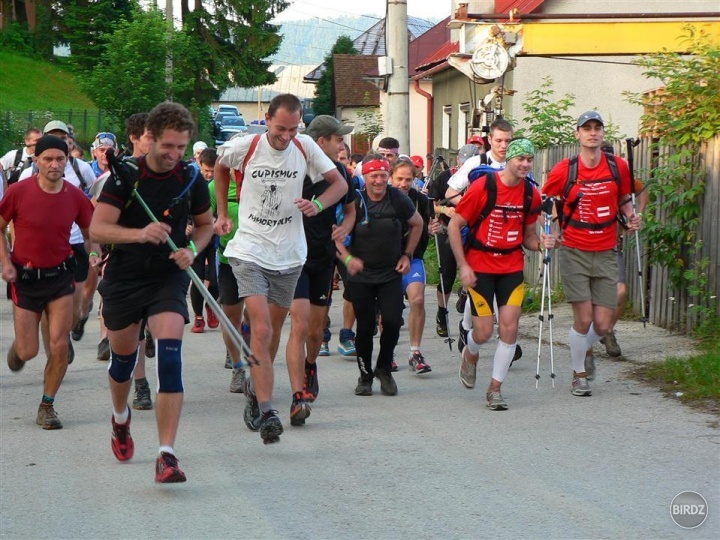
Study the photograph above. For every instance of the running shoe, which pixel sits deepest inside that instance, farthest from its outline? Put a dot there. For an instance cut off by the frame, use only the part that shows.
(311, 387)
(393, 366)
(79, 329)
(13, 360)
(495, 401)
(590, 368)
(462, 336)
(387, 384)
(299, 410)
(103, 351)
(270, 427)
(468, 370)
(517, 355)
(363, 388)
(418, 364)
(228, 360)
(142, 400)
(47, 418)
(324, 349)
(167, 470)
(580, 386)
(462, 297)
(149, 345)
(237, 383)
(346, 347)
(121, 441)
(198, 325)
(71, 352)
(612, 348)
(212, 319)
(251, 415)
(441, 322)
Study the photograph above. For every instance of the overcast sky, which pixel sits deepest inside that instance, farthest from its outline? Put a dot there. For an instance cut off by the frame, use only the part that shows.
(305, 9)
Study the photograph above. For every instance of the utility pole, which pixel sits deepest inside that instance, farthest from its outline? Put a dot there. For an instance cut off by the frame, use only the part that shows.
(169, 58)
(396, 44)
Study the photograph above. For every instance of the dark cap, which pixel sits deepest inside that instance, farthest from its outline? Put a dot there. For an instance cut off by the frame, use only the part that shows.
(587, 116)
(50, 141)
(325, 125)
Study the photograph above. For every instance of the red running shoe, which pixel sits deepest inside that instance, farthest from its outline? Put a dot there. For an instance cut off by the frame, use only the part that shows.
(212, 318)
(122, 442)
(167, 470)
(198, 325)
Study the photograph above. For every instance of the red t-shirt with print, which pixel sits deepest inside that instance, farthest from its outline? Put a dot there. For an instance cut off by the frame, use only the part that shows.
(599, 202)
(504, 228)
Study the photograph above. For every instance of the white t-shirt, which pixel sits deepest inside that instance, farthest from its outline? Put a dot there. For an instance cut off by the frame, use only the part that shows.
(87, 173)
(8, 160)
(270, 226)
(459, 181)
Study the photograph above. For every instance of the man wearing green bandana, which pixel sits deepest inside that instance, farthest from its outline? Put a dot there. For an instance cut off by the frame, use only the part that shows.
(491, 261)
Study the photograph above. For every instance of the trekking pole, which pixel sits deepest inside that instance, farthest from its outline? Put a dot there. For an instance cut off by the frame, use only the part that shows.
(233, 333)
(448, 339)
(632, 143)
(546, 290)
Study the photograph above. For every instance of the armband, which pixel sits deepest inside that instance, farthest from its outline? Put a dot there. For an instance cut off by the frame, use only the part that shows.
(192, 247)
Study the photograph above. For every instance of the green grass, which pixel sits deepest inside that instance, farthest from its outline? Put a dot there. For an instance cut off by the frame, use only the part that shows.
(29, 84)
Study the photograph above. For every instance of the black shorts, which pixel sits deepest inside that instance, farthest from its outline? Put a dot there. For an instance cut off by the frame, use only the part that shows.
(129, 302)
(506, 289)
(343, 273)
(35, 295)
(315, 283)
(82, 262)
(227, 285)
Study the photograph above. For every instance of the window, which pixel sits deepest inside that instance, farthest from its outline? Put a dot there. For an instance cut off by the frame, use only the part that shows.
(463, 123)
(446, 126)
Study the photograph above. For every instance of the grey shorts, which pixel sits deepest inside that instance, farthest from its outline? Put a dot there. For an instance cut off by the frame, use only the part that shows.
(278, 286)
(589, 275)
(621, 266)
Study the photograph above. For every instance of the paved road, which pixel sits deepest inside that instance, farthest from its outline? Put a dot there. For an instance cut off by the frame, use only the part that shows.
(432, 462)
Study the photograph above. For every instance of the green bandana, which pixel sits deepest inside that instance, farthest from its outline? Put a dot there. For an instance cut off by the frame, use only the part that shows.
(519, 147)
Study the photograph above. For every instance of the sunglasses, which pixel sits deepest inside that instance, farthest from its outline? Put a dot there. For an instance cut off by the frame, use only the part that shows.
(105, 135)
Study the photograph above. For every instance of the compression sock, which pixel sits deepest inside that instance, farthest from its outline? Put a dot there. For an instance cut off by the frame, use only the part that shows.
(473, 348)
(578, 348)
(592, 337)
(467, 315)
(503, 358)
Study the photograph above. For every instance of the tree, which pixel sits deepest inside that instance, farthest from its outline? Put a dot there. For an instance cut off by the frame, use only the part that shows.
(548, 121)
(324, 102)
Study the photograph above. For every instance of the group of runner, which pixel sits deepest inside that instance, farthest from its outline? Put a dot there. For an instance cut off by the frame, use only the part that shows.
(283, 213)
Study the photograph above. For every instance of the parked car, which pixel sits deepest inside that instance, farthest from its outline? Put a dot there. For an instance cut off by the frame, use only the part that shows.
(256, 128)
(225, 134)
(233, 122)
(228, 109)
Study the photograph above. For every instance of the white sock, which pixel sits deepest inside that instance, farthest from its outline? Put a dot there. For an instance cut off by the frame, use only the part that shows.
(578, 348)
(121, 418)
(168, 449)
(503, 358)
(467, 315)
(592, 337)
(472, 347)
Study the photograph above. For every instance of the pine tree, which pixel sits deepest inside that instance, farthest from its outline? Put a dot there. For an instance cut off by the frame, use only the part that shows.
(324, 102)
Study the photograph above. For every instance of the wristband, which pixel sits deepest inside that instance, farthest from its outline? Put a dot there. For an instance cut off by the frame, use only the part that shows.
(192, 247)
(442, 209)
(93, 254)
(319, 205)
(408, 255)
(348, 259)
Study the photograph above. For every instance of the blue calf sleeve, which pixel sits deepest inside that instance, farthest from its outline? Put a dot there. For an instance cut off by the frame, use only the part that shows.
(121, 366)
(169, 365)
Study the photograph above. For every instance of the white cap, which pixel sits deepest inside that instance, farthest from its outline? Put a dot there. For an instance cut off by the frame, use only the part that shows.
(199, 147)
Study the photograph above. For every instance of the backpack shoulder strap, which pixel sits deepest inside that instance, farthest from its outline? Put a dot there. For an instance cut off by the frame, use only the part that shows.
(299, 147)
(491, 189)
(18, 157)
(240, 175)
(527, 199)
(572, 174)
(76, 168)
(612, 165)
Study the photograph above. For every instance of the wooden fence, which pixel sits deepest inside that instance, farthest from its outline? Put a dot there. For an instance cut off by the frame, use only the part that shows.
(667, 306)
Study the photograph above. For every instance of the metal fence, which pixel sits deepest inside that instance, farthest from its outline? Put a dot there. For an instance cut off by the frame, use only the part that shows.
(667, 306)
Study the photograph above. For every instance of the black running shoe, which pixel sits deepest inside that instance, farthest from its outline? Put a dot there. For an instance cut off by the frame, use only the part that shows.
(517, 355)
(387, 383)
(311, 387)
(251, 415)
(71, 352)
(441, 322)
(270, 427)
(299, 410)
(79, 329)
(363, 388)
(149, 345)
(462, 338)
(103, 352)
(462, 297)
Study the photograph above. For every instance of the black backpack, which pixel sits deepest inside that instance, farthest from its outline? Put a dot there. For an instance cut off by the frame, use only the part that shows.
(572, 180)
(471, 241)
(16, 170)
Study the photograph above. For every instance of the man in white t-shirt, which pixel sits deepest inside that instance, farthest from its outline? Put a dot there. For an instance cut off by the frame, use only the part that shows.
(80, 174)
(501, 133)
(12, 164)
(269, 249)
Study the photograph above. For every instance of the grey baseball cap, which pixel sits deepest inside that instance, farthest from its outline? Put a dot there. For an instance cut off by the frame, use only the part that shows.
(325, 125)
(466, 152)
(56, 125)
(587, 116)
